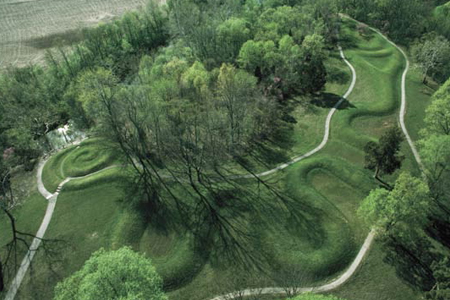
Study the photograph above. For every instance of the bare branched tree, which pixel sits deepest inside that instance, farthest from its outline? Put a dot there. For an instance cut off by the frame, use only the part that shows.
(10, 262)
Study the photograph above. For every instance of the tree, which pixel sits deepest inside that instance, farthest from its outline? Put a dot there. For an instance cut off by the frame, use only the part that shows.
(435, 153)
(437, 115)
(236, 90)
(401, 216)
(231, 35)
(432, 54)
(297, 22)
(258, 57)
(383, 156)
(441, 272)
(120, 274)
(441, 16)
(403, 20)
(313, 69)
(397, 211)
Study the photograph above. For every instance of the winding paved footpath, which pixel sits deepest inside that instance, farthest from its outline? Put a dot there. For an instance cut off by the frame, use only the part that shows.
(326, 134)
(52, 198)
(368, 241)
(403, 103)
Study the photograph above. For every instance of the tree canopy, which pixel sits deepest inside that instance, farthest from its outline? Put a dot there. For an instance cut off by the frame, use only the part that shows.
(383, 157)
(120, 274)
(407, 205)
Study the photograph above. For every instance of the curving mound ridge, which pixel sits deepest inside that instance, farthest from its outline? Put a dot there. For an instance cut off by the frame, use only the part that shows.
(338, 163)
(76, 161)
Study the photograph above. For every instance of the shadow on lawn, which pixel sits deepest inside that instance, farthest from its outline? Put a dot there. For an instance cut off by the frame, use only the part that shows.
(411, 261)
(348, 41)
(60, 39)
(328, 100)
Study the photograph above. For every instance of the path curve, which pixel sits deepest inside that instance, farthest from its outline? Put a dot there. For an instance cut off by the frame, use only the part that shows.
(403, 103)
(52, 198)
(326, 134)
(368, 241)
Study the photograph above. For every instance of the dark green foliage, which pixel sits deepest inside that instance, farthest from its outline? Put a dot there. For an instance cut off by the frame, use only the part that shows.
(39, 99)
(403, 20)
(121, 274)
(441, 272)
(383, 156)
(441, 19)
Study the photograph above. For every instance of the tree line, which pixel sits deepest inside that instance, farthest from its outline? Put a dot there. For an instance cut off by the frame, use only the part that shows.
(421, 25)
(184, 91)
(413, 216)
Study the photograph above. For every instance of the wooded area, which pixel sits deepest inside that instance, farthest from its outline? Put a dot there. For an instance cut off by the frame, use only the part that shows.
(186, 92)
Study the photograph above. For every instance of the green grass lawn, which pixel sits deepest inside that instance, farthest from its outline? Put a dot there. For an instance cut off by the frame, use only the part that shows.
(90, 156)
(376, 280)
(318, 233)
(28, 218)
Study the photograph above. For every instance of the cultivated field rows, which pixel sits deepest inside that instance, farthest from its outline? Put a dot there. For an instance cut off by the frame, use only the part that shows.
(29, 27)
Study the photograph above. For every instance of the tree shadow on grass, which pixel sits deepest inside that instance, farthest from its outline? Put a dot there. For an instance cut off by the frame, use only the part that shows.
(48, 269)
(440, 231)
(328, 100)
(411, 262)
(269, 153)
(348, 41)
(60, 39)
(337, 75)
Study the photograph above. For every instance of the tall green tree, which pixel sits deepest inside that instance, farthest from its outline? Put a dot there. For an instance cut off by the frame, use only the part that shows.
(120, 274)
(383, 157)
(437, 114)
(432, 55)
(395, 212)
(441, 272)
(232, 34)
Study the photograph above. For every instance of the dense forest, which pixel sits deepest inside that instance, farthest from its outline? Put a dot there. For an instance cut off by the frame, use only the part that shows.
(186, 91)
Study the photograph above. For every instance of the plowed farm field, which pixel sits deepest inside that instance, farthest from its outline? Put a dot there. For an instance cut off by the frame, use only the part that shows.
(29, 27)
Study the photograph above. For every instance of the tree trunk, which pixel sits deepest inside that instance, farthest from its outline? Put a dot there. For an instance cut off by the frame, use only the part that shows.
(383, 183)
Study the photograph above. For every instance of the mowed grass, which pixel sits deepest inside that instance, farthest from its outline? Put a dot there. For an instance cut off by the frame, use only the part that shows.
(90, 156)
(28, 218)
(305, 128)
(320, 234)
(376, 280)
(90, 214)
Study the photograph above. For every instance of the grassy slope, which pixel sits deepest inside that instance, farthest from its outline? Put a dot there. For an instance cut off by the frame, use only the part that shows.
(376, 279)
(80, 225)
(90, 156)
(28, 218)
(315, 181)
(172, 254)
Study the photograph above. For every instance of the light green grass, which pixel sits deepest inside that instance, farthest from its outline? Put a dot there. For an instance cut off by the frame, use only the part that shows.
(90, 156)
(28, 218)
(375, 103)
(376, 280)
(327, 187)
